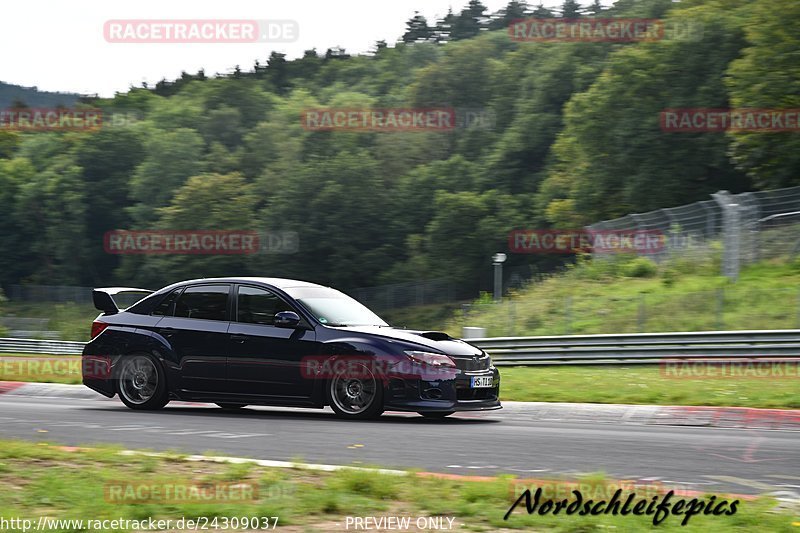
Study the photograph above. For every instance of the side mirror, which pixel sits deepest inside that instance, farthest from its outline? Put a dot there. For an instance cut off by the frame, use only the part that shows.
(287, 319)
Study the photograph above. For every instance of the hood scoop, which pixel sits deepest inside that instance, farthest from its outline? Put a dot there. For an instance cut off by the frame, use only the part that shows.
(435, 335)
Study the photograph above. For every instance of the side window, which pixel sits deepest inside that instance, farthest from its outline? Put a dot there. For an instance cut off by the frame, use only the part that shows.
(208, 302)
(258, 306)
(167, 305)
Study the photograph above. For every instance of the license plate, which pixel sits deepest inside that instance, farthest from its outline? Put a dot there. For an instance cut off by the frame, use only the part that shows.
(482, 382)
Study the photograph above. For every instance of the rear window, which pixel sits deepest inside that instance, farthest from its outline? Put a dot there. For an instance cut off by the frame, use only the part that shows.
(206, 302)
(167, 305)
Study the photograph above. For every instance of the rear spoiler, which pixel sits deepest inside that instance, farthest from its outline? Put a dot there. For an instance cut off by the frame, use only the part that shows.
(103, 297)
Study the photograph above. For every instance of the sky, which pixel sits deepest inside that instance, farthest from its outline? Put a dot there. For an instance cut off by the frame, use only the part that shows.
(60, 46)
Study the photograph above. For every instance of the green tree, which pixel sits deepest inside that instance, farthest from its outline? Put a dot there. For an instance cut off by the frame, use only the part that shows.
(417, 29)
(515, 10)
(612, 157)
(767, 76)
(171, 157)
(51, 209)
(108, 159)
(469, 22)
(16, 256)
(204, 202)
(9, 141)
(542, 12)
(570, 9)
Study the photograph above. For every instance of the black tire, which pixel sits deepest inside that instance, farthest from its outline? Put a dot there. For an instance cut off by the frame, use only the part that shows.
(232, 406)
(355, 393)
(141, 382)
(437, 414)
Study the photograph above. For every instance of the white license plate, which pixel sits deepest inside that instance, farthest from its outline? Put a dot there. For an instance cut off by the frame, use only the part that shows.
(482, 382)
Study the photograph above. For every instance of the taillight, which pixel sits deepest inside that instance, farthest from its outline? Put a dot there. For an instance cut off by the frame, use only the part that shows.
(98, 327)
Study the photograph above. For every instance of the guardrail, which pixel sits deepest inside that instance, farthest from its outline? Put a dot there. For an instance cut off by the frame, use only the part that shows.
(574, 349)
(641, 347)
(41, 346)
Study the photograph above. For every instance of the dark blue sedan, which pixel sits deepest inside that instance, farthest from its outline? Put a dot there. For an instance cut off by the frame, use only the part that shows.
(269, 341)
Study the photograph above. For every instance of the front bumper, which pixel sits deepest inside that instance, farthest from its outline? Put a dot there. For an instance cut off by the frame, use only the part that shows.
(453, 392)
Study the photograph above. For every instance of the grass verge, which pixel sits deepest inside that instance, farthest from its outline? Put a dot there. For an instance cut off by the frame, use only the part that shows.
(646, 384)
(44, 480)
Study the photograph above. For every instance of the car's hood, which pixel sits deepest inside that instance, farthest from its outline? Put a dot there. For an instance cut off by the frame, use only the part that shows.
(437, 340)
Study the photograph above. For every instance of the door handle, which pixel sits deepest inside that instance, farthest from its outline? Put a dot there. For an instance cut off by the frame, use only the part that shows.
(239, 338)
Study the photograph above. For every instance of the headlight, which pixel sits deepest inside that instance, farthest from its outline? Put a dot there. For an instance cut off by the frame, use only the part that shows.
(488, 360)
(435, 360)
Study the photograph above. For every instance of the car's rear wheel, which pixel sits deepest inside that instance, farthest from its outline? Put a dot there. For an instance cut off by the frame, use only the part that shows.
(437, 414)
(142, 384)
(232, 406)
(355, 393)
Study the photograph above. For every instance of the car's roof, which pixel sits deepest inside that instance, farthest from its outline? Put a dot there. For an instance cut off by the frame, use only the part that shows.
(280, 283)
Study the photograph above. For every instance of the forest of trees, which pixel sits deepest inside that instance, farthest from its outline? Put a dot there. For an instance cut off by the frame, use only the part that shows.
(575, 139)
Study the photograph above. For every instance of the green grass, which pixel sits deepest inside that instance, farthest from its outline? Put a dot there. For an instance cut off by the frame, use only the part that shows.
(648, 384)
(43, 480)
(73, 321)
(626, 295)
(40, 368)
(422, 317)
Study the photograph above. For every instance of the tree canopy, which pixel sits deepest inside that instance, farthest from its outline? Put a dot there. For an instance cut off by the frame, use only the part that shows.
(568, 134)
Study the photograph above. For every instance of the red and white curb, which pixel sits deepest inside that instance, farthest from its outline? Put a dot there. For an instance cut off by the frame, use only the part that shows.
(663, 415)
(48, 390)
(666, 415)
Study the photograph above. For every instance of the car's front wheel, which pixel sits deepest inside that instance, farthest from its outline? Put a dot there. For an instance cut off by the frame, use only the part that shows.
(355, 393)
(142, 384)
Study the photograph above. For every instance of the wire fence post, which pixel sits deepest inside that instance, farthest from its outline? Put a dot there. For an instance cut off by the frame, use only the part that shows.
(568, 315)
(731, 234)
(720, 308)
(641, 319)
(797, 322)
(512, 314)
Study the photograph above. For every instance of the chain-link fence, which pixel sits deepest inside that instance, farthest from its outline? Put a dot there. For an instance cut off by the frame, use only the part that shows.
(408, 294)
(751, 226)
(50, 293)
(731, 308)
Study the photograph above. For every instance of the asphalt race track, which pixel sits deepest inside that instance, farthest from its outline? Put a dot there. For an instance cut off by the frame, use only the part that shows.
(522, 440)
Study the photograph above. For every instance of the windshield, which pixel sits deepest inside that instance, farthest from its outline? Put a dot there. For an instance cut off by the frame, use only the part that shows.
(334, 308)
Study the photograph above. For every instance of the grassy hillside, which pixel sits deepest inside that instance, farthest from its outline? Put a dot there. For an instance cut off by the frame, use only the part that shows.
(626, 295)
